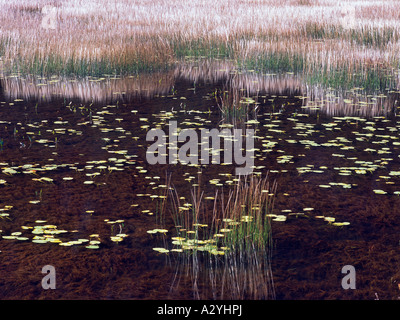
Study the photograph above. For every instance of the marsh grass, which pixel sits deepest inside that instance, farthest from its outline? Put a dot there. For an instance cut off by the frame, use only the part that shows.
(247, 272)
(200, 47)
(122, 37)
(235, 105)
(225, 245)
(55, 64)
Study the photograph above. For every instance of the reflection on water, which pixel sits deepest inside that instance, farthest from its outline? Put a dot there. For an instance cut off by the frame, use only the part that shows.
(105, 89)
(111, 88)
(354, 102)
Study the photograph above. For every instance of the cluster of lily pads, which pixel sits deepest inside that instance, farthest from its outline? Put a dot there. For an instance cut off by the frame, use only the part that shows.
(4, 212)
(273, 136)
(42, 233)
(286, 134)
(189, 239)
(47, 233)
(277, 132)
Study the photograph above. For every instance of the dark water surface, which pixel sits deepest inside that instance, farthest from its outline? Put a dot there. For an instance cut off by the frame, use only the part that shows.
(343, 167)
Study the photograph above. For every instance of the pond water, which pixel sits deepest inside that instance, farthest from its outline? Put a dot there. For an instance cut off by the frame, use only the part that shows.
(77, 191)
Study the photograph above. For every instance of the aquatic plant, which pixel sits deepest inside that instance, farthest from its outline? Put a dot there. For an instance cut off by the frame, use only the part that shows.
(234, 105)
(230, 251)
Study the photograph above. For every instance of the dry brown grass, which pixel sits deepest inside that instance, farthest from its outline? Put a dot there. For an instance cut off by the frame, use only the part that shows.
(114, 36)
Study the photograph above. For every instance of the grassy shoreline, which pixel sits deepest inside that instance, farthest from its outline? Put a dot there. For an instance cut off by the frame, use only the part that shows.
(301, 37)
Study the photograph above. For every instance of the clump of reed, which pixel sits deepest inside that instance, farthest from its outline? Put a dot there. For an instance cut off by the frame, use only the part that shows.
(224, 246)
(234, 105)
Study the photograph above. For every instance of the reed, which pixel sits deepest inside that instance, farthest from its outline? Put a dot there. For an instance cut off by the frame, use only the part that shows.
(225, 247)
(235, 106)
